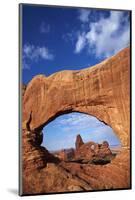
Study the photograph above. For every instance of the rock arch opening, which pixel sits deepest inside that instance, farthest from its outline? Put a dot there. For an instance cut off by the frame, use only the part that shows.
(65, 133)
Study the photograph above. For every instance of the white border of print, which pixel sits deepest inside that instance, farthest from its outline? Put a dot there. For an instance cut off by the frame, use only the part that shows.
(9, 99)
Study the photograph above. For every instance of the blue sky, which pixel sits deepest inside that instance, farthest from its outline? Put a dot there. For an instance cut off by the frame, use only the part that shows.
(55, 39)
(61, 133)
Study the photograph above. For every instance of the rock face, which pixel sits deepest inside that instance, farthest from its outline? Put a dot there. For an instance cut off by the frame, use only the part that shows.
(102, 91)
(34, 156)
(66, 154)
(84, 152)
(91, 150)
(65, 177)
(79, 142)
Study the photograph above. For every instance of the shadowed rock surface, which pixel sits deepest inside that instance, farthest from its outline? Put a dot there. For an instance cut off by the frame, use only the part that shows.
(64, 177)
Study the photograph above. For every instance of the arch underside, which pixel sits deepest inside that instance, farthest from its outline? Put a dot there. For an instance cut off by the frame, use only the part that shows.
(102, 91)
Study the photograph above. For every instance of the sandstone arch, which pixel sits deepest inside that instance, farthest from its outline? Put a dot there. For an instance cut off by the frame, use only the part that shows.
(102, 91)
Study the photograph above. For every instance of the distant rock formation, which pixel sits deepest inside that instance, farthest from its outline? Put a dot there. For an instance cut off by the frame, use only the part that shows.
(105, 144)
(91, 150)
(66, 154)
(102, 150)
(79, 142)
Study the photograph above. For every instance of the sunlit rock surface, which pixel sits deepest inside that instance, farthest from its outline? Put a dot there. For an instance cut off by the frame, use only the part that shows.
(102, 91)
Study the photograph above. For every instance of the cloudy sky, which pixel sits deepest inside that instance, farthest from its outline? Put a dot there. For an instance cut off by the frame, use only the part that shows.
(55, 39)
(61, 133)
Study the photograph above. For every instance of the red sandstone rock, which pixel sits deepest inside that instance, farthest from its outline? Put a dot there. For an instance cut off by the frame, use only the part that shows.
(65, 177)
(85, 151)
(66, 154)
(105, 144)
(102, 91)
(79, 142)
(91, 150)
(34, 156)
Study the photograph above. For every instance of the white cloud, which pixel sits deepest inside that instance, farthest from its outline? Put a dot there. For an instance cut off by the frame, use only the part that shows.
(69, 37)
(44, 28)
(106, 36)
(80, 43)
(34, 53)
(84, 15)
(43, 52)
(67, 126)
(25, 65)
(77, 121)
